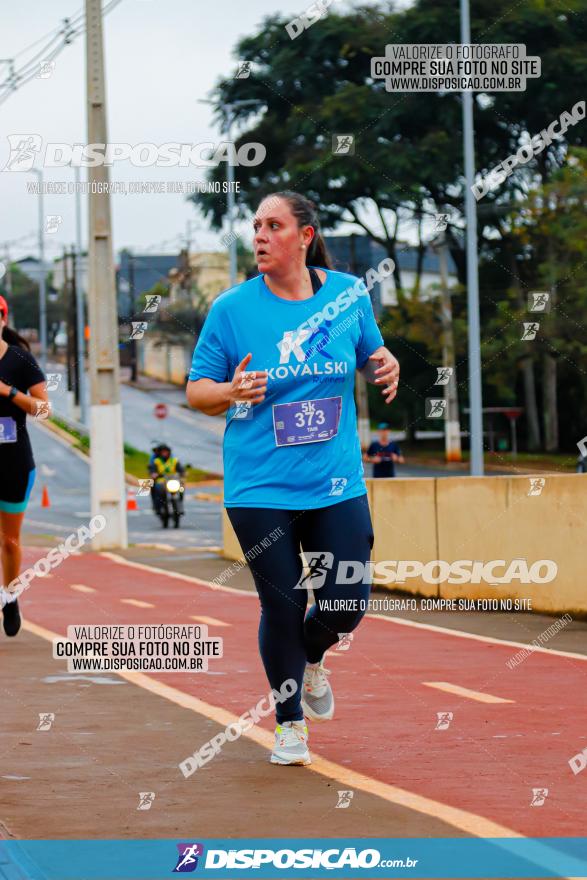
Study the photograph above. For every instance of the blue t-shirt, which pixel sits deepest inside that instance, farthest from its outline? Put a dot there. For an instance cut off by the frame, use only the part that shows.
(310, 349)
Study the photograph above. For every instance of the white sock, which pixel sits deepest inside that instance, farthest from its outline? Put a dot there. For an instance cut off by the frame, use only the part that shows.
(6, 596)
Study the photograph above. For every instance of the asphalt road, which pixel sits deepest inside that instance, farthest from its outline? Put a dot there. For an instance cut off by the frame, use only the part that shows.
(195, 438)
(67, 478)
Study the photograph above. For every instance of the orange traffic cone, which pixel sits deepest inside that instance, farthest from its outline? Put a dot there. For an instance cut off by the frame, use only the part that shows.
(131, 501)
(45, 499)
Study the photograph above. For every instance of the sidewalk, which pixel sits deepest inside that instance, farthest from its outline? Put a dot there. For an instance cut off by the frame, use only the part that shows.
(520, 627)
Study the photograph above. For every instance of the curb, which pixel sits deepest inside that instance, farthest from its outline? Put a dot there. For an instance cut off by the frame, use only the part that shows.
(129, 479)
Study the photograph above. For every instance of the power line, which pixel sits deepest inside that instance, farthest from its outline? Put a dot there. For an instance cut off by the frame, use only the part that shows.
(30, 69)
(78, 15)
(64, 33)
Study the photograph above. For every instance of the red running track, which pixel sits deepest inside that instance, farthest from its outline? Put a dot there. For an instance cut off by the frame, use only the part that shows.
(487, 761)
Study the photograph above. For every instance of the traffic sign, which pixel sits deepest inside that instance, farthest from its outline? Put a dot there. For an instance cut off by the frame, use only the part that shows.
(160, 411)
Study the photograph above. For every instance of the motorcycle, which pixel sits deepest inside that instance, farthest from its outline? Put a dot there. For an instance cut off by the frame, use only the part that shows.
(169, 499)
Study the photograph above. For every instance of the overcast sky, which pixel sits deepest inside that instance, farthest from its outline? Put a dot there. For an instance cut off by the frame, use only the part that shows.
(160, 59)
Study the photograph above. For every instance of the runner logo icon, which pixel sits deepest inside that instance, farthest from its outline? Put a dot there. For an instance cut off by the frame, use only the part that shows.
(187, 860)
(338, 484)
(46, 719)
(318, 564)
(344, 799)
(539, 795)
(444, 719)
(146, 799)
(23, 151)
(292, 344)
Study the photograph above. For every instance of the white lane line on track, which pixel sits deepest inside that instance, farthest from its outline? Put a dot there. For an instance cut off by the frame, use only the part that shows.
(212, 621)
(479, 696)
(176, 575)
(470, 823)
(53, 527)
(427, 626)
(156, 546)
(138, 603)
(458, 634)
(81, 588)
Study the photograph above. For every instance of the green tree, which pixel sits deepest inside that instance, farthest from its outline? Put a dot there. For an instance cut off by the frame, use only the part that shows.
(24, 301)
(408, 162)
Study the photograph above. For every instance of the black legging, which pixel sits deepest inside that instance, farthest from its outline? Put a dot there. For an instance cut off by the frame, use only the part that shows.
(286, 640)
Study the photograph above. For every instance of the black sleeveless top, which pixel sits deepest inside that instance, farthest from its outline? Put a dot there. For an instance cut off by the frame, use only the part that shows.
(314, 278)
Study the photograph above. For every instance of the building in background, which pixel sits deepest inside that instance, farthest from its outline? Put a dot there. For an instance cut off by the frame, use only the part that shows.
(58, 269)
(147, 270)
(207, 272)
(358, 253)
(29, 266)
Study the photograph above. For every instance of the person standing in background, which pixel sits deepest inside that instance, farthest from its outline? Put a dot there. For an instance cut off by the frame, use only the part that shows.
(384, 453)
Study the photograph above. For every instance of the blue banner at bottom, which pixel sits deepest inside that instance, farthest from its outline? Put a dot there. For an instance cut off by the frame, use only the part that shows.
(302, 858)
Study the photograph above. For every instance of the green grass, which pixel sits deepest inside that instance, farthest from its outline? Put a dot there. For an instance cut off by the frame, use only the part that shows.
(562, 461)
(136, 461)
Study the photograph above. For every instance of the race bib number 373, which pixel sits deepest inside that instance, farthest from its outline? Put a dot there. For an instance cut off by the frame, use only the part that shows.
(306, 421)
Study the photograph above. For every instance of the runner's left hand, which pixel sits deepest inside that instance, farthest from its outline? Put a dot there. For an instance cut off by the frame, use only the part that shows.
(387, 373)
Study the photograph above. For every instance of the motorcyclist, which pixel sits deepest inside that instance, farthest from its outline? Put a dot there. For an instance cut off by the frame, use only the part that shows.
(162, 464)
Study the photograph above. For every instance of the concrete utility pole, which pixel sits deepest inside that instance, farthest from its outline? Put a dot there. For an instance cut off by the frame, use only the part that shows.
(106, 442)
(452, 427)
(475, 399)
(42, 277)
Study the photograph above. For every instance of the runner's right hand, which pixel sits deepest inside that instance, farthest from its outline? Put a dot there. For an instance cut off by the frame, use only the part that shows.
(251, 385)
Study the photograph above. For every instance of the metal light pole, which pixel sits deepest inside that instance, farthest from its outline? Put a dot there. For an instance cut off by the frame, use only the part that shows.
(42, 277)
(452, 428)
(475, 399)
(79, 293)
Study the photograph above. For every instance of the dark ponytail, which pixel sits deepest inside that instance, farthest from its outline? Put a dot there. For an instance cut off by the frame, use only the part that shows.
(305, 213)
(13, 338)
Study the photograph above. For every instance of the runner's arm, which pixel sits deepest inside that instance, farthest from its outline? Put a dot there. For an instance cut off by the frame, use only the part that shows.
(208, 396)
(28, 402)
(213, 398)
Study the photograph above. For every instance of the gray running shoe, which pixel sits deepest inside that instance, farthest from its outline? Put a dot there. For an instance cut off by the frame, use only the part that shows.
(317, 696)
(291, 744)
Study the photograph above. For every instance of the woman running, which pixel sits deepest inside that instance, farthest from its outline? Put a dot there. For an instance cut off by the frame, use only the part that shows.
(19, 374)
(291, 339)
